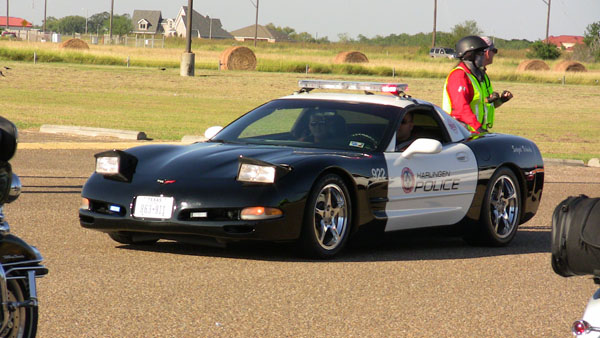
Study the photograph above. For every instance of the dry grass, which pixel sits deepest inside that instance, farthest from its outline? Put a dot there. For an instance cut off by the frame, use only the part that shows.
(294, 58)
(167, 106)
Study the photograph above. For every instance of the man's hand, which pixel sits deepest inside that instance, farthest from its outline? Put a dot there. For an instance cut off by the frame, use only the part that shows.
(506, 95)
(493, 97)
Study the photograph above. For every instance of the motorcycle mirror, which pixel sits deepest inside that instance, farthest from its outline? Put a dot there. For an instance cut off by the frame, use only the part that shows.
(15, 189)
(6, 176)
(8, 139)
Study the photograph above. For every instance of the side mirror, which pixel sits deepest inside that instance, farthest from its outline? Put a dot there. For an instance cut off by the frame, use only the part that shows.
(212, 131)
(423, 146)
(8, 139)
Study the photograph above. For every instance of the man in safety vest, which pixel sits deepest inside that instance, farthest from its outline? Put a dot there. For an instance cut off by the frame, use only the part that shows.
(468, 93)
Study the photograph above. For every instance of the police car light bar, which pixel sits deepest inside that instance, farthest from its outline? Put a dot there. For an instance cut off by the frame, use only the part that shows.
(392, 88)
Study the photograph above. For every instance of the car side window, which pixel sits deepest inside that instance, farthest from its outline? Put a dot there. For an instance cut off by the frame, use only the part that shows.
(424, 125)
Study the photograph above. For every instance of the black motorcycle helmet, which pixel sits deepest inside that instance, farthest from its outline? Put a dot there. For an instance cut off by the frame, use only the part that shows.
(468, 44)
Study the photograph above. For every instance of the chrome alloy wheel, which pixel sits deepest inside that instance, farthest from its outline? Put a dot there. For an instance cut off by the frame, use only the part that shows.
(330, 221)
(504, 206)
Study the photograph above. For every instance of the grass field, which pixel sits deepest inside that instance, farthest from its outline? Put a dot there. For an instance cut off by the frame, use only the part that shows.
(294, 58)
(561, 119)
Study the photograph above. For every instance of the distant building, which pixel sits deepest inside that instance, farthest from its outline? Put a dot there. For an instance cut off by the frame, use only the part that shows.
(147, 22)
(202, 26)
(168, 26)
(15, 23)
(262, 34)
(565, 41)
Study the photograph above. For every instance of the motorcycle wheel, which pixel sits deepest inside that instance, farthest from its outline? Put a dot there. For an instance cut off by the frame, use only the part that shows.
(23, 321)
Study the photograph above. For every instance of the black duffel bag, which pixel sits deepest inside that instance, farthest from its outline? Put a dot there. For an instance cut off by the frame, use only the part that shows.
(576, 236)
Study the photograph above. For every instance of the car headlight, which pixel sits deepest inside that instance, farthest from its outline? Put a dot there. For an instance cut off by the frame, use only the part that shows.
(116, 165)
(107, 165)
(256, 173)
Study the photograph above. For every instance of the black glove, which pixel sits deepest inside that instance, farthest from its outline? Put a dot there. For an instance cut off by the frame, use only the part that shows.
(506, 95)
(493, 97)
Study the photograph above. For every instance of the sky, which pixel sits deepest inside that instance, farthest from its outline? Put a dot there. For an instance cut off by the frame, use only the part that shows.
(506, 19)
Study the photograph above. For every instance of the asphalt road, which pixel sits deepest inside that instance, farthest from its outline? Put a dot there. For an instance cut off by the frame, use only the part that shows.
(405, 285)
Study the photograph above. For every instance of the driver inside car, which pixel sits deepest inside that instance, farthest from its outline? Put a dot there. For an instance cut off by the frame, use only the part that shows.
(325, 127)
(404, 135)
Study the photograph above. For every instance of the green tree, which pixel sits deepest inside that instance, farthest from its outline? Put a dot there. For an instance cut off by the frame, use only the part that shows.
(71, 24)
(121, 24)
(592, 39)
(294, 36)
(466, 28)
(96, 21)
(284, 30)
(592, 33)
(345, 38)
(52, 24)
(544, 51)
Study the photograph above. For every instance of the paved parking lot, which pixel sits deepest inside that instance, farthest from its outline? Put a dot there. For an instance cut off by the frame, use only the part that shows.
(418, 284)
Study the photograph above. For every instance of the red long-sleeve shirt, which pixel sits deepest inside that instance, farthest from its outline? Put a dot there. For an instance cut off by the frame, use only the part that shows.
(461, 92)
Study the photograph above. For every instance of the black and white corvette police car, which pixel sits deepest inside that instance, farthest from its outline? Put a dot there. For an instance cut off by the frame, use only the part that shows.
(315, 167)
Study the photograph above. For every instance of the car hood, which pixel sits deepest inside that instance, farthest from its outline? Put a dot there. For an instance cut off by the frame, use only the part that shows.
(211, 160)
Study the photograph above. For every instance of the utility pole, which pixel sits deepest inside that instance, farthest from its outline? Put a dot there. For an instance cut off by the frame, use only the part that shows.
(45, 5)
(548, 19)
(187, 65)
(256, 25)
(112, 5)
(434, 22)
(7, 16)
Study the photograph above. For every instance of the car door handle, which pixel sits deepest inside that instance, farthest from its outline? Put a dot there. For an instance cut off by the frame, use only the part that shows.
(462, 156)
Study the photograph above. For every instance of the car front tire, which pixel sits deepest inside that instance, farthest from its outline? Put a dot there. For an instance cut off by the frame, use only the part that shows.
(327, 218)
(500, 211)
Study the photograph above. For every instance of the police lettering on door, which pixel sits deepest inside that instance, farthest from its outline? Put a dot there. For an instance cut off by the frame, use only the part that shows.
(428, 181)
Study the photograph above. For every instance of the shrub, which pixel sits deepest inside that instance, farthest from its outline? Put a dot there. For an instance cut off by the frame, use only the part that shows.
(544, 51)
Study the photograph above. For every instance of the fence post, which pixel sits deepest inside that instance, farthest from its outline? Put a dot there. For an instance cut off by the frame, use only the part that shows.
(127, 61)
(307, 69)
(34, 58)
(393, 71)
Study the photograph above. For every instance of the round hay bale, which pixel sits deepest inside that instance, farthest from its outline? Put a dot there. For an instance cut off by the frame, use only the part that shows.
(532, 65)
(75, 44)
(351, 57)
(238, 58)
(569, 66)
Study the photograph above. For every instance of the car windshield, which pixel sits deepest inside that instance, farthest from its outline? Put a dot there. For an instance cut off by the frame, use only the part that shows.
(313, 124)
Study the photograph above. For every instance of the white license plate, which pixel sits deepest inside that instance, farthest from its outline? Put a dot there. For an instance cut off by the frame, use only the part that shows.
(153, 207)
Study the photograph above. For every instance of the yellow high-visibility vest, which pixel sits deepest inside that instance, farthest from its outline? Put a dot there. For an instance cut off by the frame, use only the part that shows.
(480, 108)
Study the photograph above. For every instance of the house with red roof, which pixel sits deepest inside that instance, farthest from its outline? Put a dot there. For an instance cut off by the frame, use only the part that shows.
(15, 23)
(565, 41)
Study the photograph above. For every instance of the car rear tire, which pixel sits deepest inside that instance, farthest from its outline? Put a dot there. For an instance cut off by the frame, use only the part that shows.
(500, 212)
(128, 238)
(327, 218)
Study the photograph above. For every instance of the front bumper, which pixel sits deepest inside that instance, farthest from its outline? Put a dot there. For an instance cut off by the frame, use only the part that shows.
(280, 229)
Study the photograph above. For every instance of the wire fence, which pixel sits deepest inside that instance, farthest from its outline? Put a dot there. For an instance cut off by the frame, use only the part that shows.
(137, 40)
